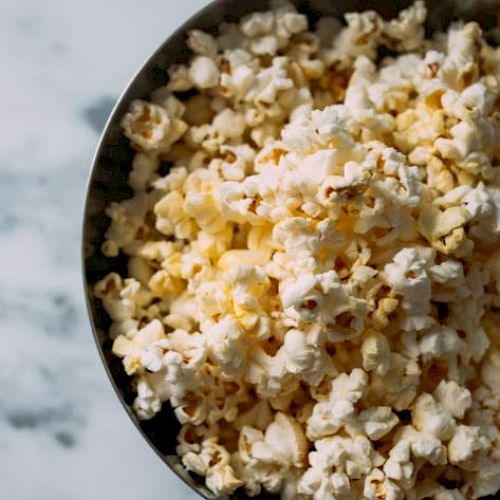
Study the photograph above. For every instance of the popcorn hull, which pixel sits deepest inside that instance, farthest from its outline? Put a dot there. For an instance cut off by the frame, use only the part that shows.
(112, 162)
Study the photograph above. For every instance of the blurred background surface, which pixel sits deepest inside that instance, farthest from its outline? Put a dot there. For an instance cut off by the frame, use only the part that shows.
(63, 432)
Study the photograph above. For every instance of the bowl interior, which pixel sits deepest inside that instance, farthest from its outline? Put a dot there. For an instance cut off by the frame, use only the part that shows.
(112, 162)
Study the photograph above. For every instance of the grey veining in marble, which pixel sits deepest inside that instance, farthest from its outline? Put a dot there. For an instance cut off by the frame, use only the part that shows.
(63, 433)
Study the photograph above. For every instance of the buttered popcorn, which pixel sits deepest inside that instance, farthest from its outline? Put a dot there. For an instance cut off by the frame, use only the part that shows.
(315, 285)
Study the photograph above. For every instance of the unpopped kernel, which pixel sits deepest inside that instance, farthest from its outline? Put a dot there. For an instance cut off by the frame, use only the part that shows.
(315, 284)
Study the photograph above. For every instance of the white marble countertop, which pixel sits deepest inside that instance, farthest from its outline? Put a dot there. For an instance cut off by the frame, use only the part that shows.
(63, 432)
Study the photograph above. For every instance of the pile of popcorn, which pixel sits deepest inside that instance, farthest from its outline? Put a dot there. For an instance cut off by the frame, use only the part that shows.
(314, 285)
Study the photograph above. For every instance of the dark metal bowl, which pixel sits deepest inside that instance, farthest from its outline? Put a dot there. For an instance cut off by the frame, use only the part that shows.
(112, 162)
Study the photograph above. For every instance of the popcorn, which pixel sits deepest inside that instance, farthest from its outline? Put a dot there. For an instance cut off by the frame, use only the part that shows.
(423, 446)
(221, 480)
(291, 23)
(172, 217)
(378, 487)
(406, 32)
(152, 127)
(266, 458)
(132, 350)
(463, 44)
(398, 387)
(314, 285)
(257, 24)
(152, 392)
(203, 72)
(408, 276)
(466, 444)
(229, 124)
(302, 357)
(449, 273)
(457, 400)
(269, 82)
(302, 297)
(202, 43)
(329, 416)
(317, 485)
(399, 465)
(179, 79)
(352, 458)
(213, 461)
(266, 45)
(375, 423)
(127, 219)
(376, 354)
(226, 346)
(431, 418)
(143, 168)
(361, 35)
(202, 207)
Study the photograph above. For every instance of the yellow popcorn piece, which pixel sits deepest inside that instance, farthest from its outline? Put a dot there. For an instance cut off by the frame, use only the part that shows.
(202, 208)
(171, 216)
(434, 223)
(163, 283)
(236, 257)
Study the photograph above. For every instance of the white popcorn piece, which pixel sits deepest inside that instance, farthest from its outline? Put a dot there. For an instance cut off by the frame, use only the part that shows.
(226, 346)
(457, 400)
(257, 24)
(376, 354)
(291, 23)
(329, 416)
(449, 273)
(318, 485)
(269, 458)
(303, 358)
(379, 487)
(229, 124)
(407, 275)
(137, 351)
(268, 82)
(152, 127)
(303, 297)
(422, 445)
(353, 457)
(221, 480)
(374, 422)
(466, 444)
(398, 387)
(399, 465)
(460, 70)
(152, 392)
(407, 32)
(432, 418)
(265, 45)
(361, 35)
(212, 460)
(203, 72)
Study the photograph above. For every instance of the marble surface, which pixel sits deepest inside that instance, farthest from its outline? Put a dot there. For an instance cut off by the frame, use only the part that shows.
(63, 432)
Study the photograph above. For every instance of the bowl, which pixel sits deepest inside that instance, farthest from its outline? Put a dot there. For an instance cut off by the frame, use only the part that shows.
(112, 162)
